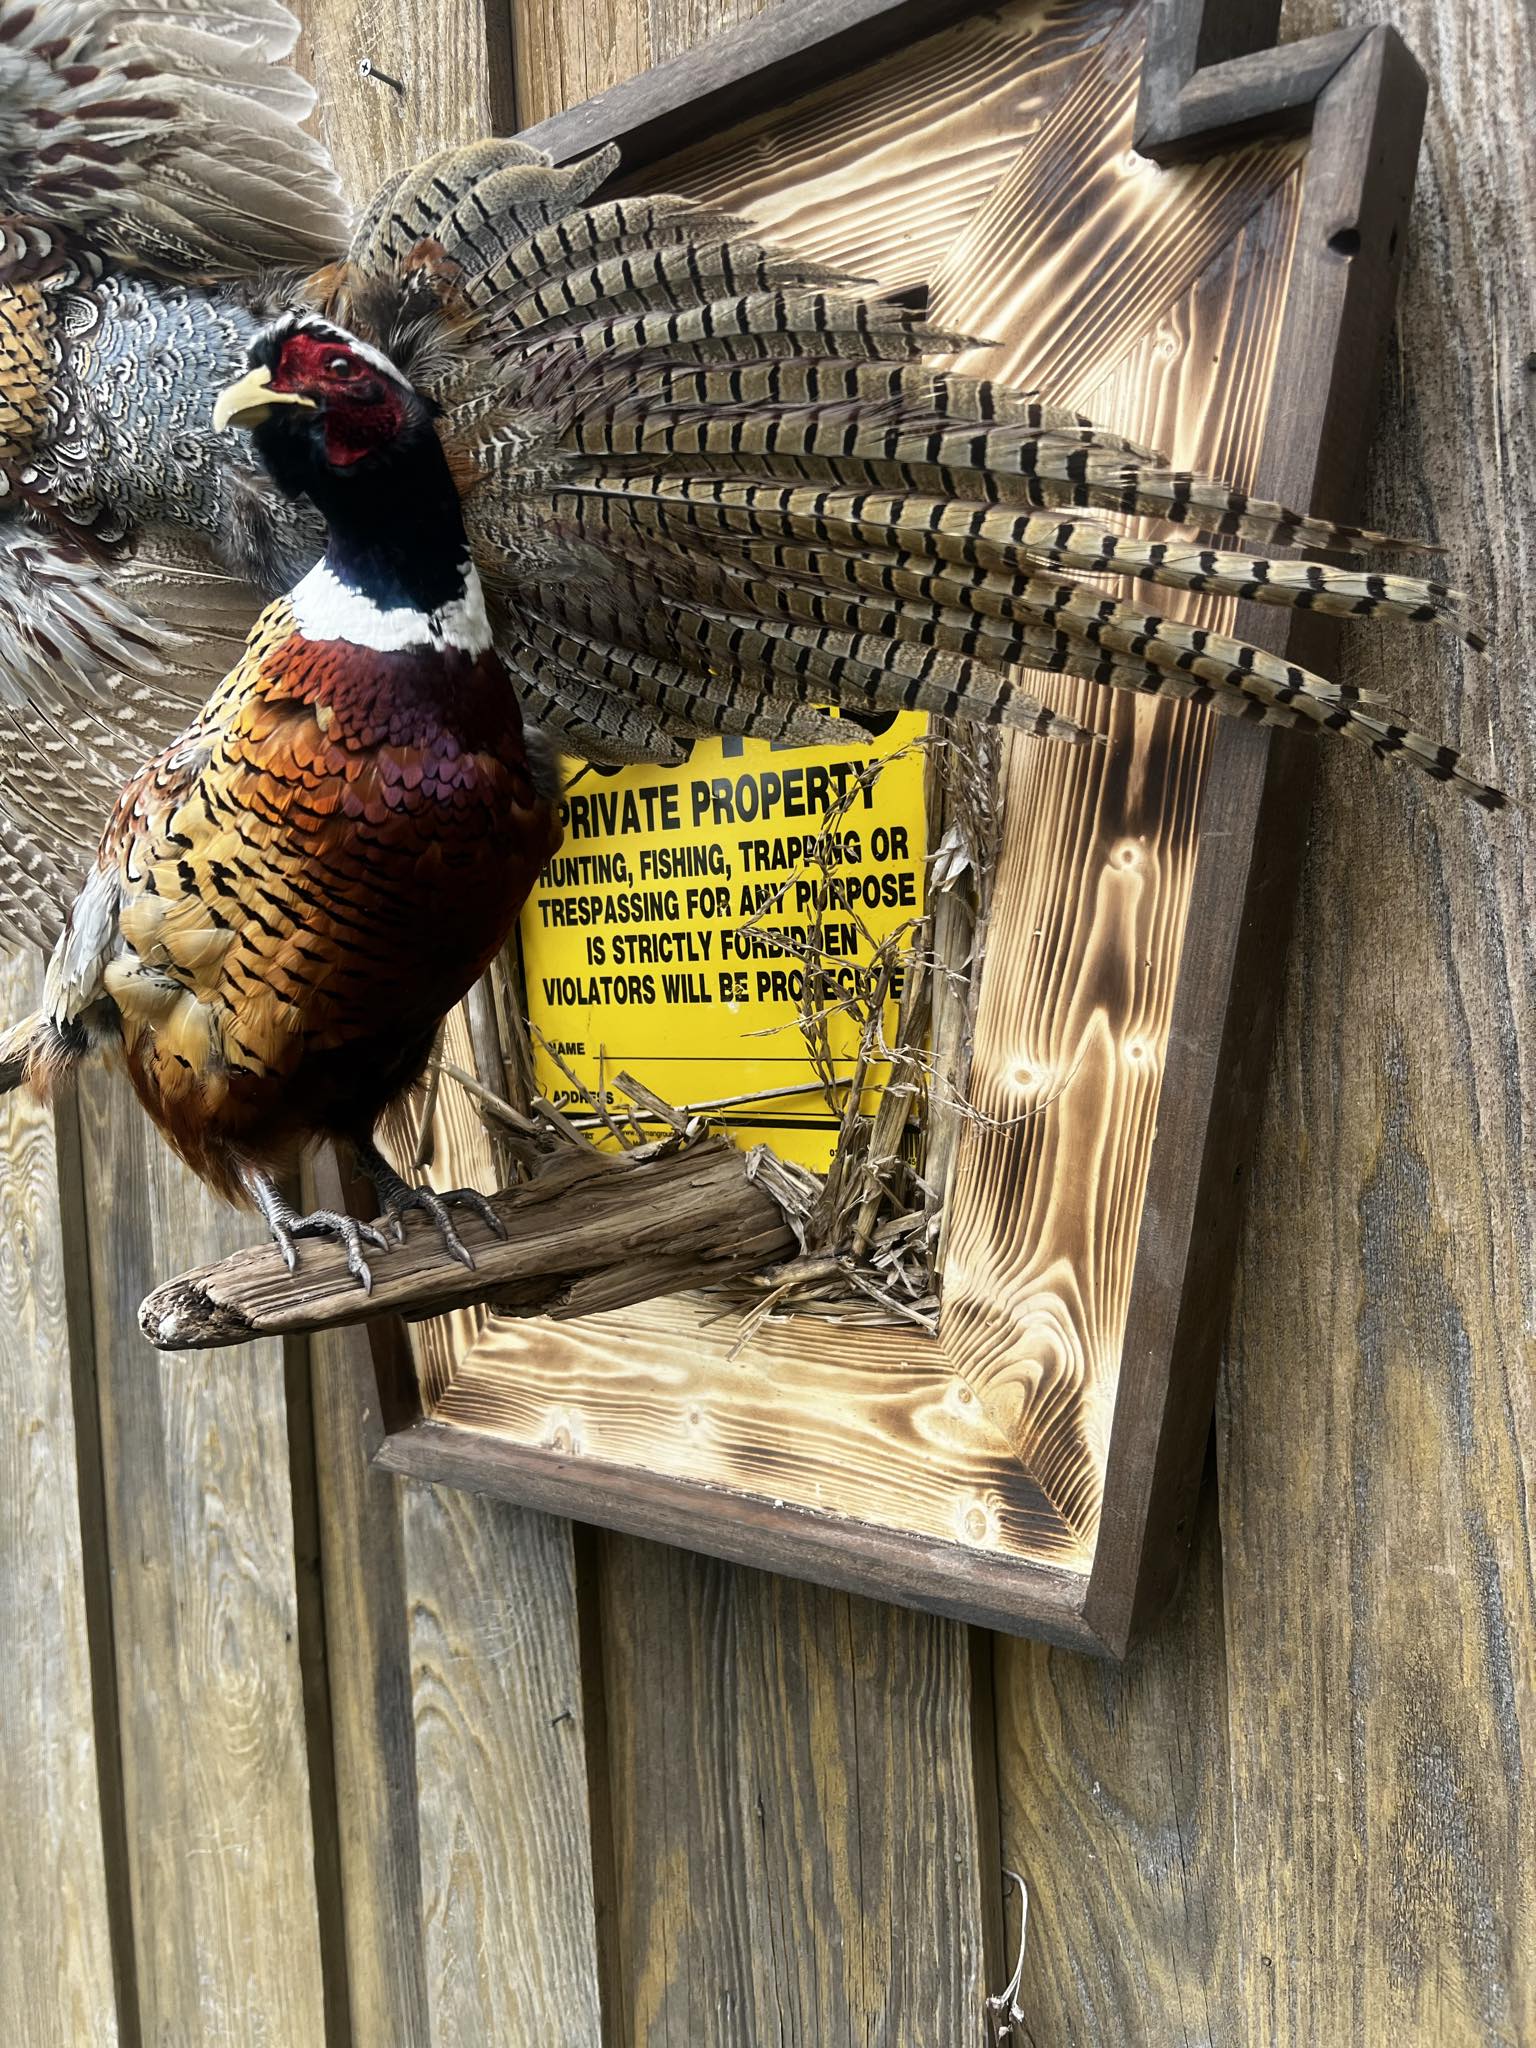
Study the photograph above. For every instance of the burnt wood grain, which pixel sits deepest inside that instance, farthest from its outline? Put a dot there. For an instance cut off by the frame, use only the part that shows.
(1161, 868)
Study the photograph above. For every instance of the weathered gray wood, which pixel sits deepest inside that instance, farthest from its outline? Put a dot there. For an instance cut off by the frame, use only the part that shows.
(56, 1963)
(1212, 79)
(796, 1840)
(590, 1233)
(1377, 1434)
(511, 1946)
(453, 58)
(783, 50)
(368, 1670)
(216, 1784)
(1116, 1810)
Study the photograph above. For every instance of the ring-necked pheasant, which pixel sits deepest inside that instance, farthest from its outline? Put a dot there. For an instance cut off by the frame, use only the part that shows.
(709, 483)
(289, 899)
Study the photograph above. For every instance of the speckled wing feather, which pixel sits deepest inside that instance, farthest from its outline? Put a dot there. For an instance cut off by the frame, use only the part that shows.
(716, 479)
(148, 149)
(90, 684)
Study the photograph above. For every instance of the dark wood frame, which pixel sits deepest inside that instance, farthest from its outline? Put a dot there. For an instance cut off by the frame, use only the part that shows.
(1209, 81)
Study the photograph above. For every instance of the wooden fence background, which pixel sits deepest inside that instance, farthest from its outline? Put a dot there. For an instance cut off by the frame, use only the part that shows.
(298, 1756)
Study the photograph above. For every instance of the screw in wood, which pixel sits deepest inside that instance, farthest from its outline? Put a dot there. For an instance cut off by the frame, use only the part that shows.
(366, 68)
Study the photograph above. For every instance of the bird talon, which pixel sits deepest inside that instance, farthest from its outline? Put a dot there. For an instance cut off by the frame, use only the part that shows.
(472, 1199)
(403, 1199)
(347, 1231)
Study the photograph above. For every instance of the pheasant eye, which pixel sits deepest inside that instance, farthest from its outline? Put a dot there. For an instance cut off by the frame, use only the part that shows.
(342, 366)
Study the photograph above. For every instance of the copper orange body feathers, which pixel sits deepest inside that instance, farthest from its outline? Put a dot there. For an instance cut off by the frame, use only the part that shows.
(310, 878)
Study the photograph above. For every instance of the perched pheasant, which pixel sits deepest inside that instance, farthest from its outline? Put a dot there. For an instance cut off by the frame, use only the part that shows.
(289, 899)
(708, 485)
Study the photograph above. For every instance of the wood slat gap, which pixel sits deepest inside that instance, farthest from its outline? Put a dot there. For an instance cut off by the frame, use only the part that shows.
(96, 1565)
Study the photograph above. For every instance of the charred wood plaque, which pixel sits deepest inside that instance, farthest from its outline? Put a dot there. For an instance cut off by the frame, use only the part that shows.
(1194, 238)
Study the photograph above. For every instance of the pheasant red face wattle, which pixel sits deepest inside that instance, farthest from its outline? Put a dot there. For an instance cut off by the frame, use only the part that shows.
(363, 404)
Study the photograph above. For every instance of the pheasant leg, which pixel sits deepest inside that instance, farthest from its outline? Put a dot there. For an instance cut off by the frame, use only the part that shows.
(286, 1225)
(397, 1196)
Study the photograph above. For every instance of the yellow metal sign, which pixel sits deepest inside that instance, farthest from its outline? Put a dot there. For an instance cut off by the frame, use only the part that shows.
(667, 937)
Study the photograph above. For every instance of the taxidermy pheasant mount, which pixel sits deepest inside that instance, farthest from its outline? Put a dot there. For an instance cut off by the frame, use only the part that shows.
(619, 460)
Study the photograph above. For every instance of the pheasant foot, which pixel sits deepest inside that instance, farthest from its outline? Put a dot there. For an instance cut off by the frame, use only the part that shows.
(287, 1225)
(397, 1197)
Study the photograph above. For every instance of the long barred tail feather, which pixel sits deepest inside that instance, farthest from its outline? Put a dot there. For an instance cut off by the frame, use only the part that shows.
(717, 484)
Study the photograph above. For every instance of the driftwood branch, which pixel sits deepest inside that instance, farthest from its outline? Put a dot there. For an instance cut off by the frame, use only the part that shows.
(592, 1232)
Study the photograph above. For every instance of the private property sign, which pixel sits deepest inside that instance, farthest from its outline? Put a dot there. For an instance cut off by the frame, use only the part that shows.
(668, 938)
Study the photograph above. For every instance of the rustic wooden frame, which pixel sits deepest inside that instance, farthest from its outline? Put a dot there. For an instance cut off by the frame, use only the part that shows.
(1208, 81)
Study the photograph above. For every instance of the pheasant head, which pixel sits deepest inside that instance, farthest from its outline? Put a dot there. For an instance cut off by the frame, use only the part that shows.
(333, 419)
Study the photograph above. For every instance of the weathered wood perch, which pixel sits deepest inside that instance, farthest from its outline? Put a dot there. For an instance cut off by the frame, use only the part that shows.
(592, 1231)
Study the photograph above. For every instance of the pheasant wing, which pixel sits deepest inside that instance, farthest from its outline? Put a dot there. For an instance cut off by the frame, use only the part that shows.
(94, 677)
(165, 133)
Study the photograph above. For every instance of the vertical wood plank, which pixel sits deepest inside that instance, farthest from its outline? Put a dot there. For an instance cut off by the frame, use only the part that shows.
(452, 57)
(1116, 1812)
(469, 1900)
(1377, 1430)
(368, 1666)
(677, 25)
(511, 1944)
(797, 1846)
(568, 54)
(56, 1965)
(210, 1693)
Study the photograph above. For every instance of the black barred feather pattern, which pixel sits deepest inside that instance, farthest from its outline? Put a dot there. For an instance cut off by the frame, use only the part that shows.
(721, 484)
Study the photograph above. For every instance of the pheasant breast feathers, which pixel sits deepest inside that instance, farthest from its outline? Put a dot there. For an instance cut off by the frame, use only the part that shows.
(318, 869)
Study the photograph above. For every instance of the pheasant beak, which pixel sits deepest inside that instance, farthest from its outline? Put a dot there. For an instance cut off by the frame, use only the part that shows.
(248, 403)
